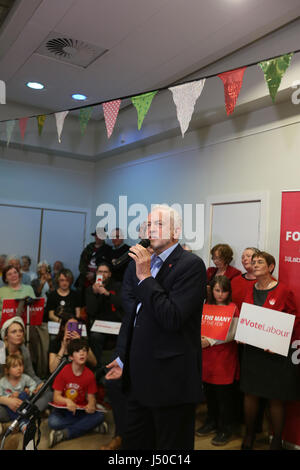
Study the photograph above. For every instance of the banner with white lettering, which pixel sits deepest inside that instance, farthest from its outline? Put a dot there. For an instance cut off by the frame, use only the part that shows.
(289, 253)
(216, 320)
(10, 307)
(265, 328)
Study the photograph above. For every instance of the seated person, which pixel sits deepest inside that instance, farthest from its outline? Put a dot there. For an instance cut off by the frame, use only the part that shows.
(59, 344)
(43, 284)
(15, 385)
(26, 263)
(74, 389)
(14, 261)
(103, 302)
(12, 286)
(63, 299)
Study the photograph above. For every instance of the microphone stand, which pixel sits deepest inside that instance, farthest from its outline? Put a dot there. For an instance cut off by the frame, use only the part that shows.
(29, 411)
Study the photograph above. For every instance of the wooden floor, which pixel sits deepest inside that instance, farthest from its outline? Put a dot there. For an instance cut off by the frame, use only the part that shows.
(93, 441)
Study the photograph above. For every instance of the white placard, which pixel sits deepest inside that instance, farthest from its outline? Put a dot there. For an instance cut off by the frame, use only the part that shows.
(265, 328)
(109, 327)
(53, 328)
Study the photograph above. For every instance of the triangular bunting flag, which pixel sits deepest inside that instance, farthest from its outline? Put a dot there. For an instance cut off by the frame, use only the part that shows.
(60, 119)
(22, 126)
(41, 121)
(185, 97)
(274, 70)
(142, 104)
(232, 80)
(9, 130)
(111, 111)
(2, 92)
(84, 117)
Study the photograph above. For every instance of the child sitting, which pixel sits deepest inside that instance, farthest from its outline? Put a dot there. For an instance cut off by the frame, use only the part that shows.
(74, 389)
(15, 386)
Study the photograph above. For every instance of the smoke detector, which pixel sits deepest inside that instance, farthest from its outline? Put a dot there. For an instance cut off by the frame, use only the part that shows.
(70, 50)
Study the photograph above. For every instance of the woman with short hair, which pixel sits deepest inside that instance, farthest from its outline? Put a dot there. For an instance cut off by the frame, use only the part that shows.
(63, 299)
(13, 287)
(264, 373)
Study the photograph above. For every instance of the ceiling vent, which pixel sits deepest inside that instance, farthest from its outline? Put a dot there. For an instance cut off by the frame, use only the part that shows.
(70, 50)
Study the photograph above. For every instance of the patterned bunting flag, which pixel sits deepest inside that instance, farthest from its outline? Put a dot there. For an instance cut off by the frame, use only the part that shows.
(84, 117)
(185, 97)
(2, 92)
(9, 130)
(41, 121)
(232, 80)
(22, 126)
(274, 70)
(111, 110)
(60, 119)
(142, 104)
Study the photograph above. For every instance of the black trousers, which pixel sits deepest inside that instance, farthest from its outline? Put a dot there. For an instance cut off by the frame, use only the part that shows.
(221, 405)
(160, 428)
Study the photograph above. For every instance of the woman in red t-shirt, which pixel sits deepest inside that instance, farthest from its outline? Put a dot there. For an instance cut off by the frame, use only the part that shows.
(220, 369)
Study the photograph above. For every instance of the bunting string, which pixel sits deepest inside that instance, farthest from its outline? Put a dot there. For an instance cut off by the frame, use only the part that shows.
(185, 96)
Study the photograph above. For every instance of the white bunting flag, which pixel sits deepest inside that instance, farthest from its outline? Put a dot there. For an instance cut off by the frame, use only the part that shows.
(9, 130)
(185, 97)
(2, 92)
(60, 119)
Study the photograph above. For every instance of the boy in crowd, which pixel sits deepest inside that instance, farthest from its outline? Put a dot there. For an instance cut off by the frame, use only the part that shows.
(74, 390)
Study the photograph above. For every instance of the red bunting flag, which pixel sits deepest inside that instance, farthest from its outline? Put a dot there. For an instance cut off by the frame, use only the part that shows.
(22, 126)
(111, 110)
(232, 80)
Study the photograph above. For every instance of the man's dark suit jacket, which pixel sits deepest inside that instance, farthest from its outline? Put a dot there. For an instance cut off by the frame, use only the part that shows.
(162, 352)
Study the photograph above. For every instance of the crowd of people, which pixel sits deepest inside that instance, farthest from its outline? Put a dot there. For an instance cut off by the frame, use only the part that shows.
(239, 381)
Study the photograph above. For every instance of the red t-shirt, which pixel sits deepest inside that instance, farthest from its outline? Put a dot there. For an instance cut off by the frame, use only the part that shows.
(75, 387)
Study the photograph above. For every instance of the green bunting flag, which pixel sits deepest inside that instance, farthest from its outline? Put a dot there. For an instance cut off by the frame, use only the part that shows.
(41, 121)
(274, 70)
(142, 104)
(84, 117)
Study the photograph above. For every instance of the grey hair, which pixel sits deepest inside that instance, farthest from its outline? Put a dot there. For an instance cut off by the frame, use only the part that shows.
(174, 214)
(10, 257)
(42, 263)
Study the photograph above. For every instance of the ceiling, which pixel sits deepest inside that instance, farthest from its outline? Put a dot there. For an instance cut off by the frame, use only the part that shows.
(149, 44)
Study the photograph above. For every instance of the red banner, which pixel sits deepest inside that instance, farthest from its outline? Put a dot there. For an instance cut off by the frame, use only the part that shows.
(289, 273)
(10, 307)
(216, 320)
(289, 253)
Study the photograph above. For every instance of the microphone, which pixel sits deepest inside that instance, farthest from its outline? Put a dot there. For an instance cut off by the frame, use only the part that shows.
(125, 257)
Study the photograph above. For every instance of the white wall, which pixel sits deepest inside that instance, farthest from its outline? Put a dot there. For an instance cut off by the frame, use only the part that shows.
(254, 153)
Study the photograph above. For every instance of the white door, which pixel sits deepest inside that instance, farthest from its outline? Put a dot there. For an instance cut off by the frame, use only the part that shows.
(238, 225)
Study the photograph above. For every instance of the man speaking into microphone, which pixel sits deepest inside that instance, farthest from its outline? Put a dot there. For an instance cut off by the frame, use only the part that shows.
(159, 349)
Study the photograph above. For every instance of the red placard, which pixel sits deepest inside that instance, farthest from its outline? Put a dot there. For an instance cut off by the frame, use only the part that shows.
(10, 306)
(289, 253)
(216, 320)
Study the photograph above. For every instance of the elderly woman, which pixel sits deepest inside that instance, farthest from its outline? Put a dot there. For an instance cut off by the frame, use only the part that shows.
(63, 299)
(12, 333)
(241, 283)
(264, 373)
(13, 288)
(44, 283)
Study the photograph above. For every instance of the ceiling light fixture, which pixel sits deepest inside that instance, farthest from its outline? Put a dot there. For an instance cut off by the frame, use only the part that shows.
(35, 85)
(78, 97)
